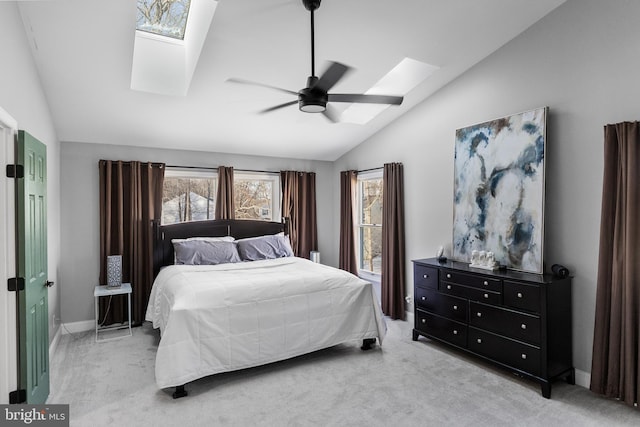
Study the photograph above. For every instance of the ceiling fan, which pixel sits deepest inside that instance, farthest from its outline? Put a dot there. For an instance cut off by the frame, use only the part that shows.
(315, 96)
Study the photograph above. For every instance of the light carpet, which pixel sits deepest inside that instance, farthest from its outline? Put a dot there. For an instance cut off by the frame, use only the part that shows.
(401, 383)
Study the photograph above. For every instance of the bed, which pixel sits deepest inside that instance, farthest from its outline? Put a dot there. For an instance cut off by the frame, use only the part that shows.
(240, 305)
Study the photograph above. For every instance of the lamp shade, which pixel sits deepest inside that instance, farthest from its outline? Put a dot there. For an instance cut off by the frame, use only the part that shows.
(114, 271)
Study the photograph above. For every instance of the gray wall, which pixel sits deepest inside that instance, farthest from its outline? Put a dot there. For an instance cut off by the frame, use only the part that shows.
(81, 219)
(582, 62)
(21, 96)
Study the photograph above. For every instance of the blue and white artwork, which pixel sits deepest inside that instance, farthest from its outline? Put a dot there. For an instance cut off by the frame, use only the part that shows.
(498, 201)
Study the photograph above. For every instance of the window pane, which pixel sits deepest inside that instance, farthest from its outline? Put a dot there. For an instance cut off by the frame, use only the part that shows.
(188, 199)
(253, 199)
(163, 17)
(371, 249)
(371, 201)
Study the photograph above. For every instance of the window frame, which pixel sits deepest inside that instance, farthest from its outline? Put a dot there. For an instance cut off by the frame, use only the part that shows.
(359, 225)
(276, 191)
(197, 173)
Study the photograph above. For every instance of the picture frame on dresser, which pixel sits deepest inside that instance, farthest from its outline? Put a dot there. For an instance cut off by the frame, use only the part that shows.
(515, 320)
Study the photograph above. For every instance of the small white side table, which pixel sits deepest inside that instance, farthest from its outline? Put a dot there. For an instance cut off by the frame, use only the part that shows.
(105, 291)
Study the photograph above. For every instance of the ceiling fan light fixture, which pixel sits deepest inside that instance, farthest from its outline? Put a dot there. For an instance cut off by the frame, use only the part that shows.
(312, 107)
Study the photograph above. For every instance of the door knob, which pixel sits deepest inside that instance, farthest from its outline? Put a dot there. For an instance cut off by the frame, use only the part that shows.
(48, 283)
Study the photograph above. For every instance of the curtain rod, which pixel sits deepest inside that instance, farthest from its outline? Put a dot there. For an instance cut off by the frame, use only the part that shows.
(370, 170)
(215, 169)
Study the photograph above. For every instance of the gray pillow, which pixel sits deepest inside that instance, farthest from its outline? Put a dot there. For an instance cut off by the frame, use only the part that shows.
(205, 252)
(264, 247)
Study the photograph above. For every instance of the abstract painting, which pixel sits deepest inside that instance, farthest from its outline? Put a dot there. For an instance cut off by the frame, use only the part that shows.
(498, 201)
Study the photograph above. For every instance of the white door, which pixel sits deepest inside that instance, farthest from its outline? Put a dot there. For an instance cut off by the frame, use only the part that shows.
(8, 350)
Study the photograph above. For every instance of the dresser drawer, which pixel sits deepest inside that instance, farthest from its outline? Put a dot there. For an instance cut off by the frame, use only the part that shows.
(474, 281)
(473, 294)
(425, 277)
(503, 350)
(441, 328)
(447, 306)
(516, 325)
(521, 295)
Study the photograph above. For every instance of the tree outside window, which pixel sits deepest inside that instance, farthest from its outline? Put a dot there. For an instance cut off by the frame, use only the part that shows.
(253, 199)
(188, 198)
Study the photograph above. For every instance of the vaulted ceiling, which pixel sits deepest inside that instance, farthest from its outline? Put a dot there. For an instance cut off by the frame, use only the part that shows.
(84, 48)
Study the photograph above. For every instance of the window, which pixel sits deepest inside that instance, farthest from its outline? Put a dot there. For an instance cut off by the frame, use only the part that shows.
(188, 195)
(163, 17)
(257, 196)
(369, 233)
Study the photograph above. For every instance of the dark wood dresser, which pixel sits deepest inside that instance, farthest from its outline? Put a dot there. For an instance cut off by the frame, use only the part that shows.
(519, 321)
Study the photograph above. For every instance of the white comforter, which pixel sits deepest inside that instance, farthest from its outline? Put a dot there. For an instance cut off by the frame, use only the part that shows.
(225, 317)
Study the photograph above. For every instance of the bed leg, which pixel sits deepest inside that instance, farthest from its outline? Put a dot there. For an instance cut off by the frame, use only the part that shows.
(368, 343)
(180, 392)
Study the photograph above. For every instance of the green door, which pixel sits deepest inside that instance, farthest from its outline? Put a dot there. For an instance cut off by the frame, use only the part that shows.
(31, 253)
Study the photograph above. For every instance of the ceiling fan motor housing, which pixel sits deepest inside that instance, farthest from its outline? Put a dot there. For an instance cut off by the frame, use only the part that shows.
(311, 99)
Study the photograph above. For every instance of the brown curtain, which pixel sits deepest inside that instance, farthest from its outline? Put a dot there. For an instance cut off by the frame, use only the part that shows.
(225, 206)
(130, 197)
(348, 182)
(393, 268)
(615, 370)
(299, 205)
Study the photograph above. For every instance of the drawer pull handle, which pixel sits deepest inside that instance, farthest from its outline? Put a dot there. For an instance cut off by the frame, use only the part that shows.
(448, 286)
(524, 356)
(455, 332)
(479, 340)
(479, 314)
(523, 326)
(424, 320)
(519, 294)
(426, 276)
(424, 298)
(448, 276)
(455, 307)
(486, 295)
(486, 283)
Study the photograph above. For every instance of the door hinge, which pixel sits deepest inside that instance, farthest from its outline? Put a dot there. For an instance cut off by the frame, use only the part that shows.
(15, 171)
(16, 284)
(18, 396)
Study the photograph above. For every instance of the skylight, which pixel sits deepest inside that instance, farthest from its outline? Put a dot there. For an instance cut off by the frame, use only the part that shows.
(165, 65)
(163, 17)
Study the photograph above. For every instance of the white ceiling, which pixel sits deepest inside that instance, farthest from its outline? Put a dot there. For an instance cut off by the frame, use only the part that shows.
(83, 50)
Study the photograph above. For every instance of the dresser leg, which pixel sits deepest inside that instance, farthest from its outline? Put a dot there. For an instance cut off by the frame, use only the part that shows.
(415, 335)
(546, 389)
(571, 378)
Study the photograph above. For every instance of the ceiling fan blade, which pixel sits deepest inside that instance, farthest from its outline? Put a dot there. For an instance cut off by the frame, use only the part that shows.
(277, 107)
(331, 114)
(367, 99)
(331, 76)
(249, 82)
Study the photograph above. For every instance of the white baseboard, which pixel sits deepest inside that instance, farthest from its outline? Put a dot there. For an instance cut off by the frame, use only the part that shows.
(53, 346)
(583, 378)
(74, 327)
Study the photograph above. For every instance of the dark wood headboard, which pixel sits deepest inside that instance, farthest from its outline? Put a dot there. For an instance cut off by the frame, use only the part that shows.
(238, 228)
